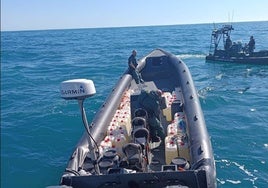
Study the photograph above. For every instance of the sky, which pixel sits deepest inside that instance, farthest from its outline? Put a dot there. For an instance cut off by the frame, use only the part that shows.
(73, 14)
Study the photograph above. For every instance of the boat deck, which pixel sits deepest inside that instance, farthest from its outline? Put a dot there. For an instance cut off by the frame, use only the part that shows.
(157, 149)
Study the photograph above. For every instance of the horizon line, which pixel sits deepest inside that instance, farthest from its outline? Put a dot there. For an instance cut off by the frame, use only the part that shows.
(110, 27)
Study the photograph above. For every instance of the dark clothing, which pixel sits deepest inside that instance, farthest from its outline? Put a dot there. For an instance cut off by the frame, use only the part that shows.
(251, 45)
(228, 43)
(150, 101)
(132, 59)
(135, 74)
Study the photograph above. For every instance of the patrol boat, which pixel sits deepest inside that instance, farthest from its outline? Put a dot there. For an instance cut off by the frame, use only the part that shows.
(117, 150)
(236, 52)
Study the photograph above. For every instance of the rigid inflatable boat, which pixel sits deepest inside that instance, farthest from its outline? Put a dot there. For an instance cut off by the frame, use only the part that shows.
(117, 150)
(222, 49)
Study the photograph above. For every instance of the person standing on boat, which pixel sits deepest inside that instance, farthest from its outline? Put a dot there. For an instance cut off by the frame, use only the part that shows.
(228, 43)
(151, 102)
(251, 45)
(132, 64)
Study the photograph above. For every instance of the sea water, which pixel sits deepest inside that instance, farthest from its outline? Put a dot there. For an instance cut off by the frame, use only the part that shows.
(39, 130)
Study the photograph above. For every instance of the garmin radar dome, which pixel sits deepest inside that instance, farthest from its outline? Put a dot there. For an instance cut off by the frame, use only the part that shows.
(77, 89)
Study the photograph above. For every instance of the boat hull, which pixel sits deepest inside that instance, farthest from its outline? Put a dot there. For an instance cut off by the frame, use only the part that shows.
(164, 71)
(260, 58)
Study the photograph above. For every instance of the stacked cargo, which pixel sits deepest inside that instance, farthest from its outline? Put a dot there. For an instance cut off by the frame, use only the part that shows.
(168, 100)
(118, 131)
(176, 141)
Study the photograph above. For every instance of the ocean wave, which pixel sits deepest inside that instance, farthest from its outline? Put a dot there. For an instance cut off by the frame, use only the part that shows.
(188, 56)
(232, 164)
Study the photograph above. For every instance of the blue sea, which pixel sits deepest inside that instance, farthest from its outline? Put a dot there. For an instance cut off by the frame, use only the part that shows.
(39, 130)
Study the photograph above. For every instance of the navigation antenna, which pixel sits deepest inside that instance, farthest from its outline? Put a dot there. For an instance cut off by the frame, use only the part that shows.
(80, 89)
